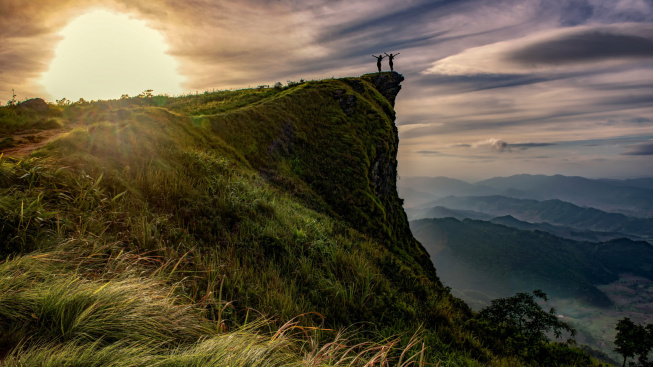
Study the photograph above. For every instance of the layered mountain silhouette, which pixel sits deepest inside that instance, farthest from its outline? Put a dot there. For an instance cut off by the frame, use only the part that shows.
(631, 197)
(554, 212)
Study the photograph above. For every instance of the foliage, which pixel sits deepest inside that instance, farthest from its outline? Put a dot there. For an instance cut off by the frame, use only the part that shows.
(146, 94)
(522, 324)
(16, 118)
(634, 340)
(155, 233)
(522, 315)
(63, 102)
(12, 101)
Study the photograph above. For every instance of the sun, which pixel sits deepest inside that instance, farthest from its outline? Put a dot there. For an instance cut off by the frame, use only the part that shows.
(103, 55)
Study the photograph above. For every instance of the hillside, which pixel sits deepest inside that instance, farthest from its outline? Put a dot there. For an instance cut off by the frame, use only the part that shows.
(252, 227)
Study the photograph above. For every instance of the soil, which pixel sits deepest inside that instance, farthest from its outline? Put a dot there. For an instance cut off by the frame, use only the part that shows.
(28, 141)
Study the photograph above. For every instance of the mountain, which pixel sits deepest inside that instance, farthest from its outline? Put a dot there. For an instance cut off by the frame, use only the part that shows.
(555, 212)
(633, 197)
(257, 227)
(643, 183)
(496, 260)
(443, 212)
(440, 186)
(560, 231)
(437, 187)
(592, 284)
(412, 197)
(581, 191)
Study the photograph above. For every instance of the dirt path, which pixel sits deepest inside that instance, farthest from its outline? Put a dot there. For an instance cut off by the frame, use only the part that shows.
(28, 141)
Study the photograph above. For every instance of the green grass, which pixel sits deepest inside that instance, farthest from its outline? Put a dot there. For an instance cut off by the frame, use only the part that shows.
(255, 227)
(14, 119)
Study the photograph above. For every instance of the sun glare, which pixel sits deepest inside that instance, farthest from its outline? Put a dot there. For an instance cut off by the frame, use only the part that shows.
(103, 55)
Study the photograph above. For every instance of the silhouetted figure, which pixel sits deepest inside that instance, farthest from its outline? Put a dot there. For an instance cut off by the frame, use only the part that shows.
(378, 61)
(391, 57)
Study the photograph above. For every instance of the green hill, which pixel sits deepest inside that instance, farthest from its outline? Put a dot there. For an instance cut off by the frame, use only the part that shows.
(252, 227)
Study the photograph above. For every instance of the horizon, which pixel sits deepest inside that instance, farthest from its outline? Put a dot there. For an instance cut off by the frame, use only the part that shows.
(491, 90)
(475, 181)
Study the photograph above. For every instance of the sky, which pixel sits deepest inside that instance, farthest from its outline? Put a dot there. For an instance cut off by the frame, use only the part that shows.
(492, 88)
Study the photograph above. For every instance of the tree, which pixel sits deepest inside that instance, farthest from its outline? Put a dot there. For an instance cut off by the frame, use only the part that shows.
(522, 316)
(634, 340)
(12, 101)
(146, 94)
(63, 102)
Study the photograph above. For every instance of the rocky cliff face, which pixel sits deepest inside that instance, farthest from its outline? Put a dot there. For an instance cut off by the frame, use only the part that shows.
(388, 84)
(337, 137)
(383, 171)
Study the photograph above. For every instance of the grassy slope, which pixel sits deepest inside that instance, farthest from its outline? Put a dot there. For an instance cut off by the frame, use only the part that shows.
(157, 231)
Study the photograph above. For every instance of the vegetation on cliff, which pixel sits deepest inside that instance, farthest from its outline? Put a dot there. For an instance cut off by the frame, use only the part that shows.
(251, 227)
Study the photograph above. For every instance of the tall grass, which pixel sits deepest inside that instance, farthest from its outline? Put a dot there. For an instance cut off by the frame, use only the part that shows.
(54, 316)
(206, 230)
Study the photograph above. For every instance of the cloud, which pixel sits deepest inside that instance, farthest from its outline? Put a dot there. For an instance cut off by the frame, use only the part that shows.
(493, 144)
(640, 149)
(524, 146)
(428, 152)
(554, 51)
(501, 146)
(459, 145)
(587, 45)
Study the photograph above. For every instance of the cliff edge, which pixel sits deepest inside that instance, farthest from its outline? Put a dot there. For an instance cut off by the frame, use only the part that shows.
(182, 215)
(338, 137)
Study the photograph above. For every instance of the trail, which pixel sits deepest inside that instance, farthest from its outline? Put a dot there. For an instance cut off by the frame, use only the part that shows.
(30, 140)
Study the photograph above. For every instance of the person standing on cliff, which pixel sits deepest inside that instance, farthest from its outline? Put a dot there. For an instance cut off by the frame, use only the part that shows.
(378, 61)
(390, 58)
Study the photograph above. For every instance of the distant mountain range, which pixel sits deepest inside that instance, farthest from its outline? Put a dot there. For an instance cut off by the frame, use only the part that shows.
(555, 212)
(633, 197)
(482, 260)
(562, 231)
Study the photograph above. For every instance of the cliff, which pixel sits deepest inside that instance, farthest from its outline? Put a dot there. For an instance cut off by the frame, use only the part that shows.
(342, 145)
(156, 228)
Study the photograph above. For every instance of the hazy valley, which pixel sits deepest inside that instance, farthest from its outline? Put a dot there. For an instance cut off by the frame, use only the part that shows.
(515, 234)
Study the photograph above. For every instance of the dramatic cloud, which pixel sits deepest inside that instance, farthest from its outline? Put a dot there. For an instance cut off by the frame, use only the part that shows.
(555, 51)
(538, 73)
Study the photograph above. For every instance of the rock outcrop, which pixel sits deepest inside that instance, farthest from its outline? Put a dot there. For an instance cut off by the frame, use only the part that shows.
(388, 84)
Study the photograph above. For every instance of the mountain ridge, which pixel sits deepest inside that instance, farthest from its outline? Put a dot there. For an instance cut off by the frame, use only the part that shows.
(629, 197)
(187, 213)
(553, 211)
